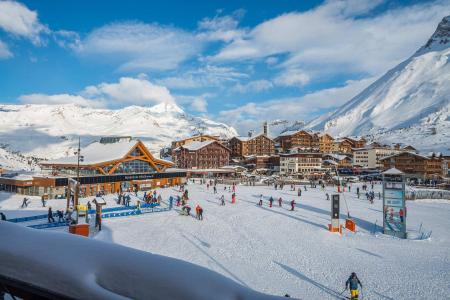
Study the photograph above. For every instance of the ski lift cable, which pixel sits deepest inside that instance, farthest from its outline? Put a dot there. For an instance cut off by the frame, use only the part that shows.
(343, 194)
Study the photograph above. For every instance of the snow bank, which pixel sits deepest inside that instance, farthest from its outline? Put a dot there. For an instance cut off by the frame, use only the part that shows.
(89, 269)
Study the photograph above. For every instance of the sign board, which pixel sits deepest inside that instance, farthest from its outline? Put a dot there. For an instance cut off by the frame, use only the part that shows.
(335, 211)
(394, 209)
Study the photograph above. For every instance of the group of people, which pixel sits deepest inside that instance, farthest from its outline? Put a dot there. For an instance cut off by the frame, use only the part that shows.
(280, 202)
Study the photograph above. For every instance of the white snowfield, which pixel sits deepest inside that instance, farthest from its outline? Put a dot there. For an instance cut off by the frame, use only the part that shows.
(278, 251)
(51, 131)
(409, 104)
(82, 268)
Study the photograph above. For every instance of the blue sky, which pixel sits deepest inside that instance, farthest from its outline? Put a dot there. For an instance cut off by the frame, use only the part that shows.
(240, 62)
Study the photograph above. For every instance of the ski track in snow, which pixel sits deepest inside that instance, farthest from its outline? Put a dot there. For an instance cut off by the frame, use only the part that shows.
(278, 251)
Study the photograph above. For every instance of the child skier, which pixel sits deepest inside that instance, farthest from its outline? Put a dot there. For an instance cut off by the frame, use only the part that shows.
(280, 201)
(270, 201)
(353, 283)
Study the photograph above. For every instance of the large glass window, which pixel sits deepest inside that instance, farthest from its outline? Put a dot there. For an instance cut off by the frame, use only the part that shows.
(136, 152)
(134, 166)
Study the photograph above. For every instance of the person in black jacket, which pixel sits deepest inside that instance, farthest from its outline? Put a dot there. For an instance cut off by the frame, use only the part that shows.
(2, 216)
(353, 282)
(50, 215)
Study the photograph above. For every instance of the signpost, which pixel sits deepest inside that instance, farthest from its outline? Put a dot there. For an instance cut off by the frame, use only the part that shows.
(394, 209)
(334, 226)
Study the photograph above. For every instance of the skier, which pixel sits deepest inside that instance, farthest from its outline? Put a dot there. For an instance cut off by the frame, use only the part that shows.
(270, 201)
(2, 216)
(233, 198)
(60, 216)
(260, 200)
(187, 209)
(292, 204)
(200, 213)
(24, 202)
(222, 200)
(215, 190)
(89, 206)
(353, 283)
(328, 197)
(43, 201)
(178, 200)
(50, 215)
(299, 193)
(280, 201)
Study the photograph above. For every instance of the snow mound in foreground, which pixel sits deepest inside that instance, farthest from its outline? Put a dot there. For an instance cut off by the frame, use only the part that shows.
(83, 268)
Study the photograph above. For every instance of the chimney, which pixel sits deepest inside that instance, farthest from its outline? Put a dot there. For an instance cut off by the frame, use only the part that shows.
(266, 129)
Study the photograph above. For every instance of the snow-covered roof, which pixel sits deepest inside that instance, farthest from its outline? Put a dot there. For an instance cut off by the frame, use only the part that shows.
(194, 146)
(248, 138)
(393, 171)
(329, 161)
(97, 152)
(337, 156)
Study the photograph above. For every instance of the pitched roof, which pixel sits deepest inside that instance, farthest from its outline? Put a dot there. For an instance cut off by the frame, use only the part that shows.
(393, 171)
(194, 146)
(97, 152)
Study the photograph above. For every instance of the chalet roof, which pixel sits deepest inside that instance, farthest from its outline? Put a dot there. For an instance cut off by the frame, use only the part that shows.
(329, 161)
(336, 156)
(198, 136)
(97, 152)
(393, 171)
(403, 152)
(194, 146)
(248, 138)
(292, 132)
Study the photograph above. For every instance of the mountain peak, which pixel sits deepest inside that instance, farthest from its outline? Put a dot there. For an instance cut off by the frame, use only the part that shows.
(441, 37)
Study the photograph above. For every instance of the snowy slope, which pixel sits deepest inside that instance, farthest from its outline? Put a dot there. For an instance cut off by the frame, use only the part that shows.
(49, 131)
(278, 251)
(409, 103)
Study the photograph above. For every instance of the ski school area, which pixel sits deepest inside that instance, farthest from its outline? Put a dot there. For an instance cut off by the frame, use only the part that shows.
(272, 248)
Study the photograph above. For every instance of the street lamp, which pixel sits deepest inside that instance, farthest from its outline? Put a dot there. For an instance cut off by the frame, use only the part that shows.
(80, 158)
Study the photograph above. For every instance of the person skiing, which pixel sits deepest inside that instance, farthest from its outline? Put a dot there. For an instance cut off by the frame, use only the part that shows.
(353, 283)
(89, 206)
(328, 197)
(200, 213)
(2, 216)
(43, 201)
(299, 193)
(222, 200)
(280, 202)
(24, 202)
(270, 201)
(233, 198)
(60, 216)
(260, 200)
(215, 190)
(292, 204)
(50, 215)
(187, 209)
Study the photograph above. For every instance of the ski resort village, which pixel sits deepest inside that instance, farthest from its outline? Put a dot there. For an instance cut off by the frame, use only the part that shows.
(225, 150)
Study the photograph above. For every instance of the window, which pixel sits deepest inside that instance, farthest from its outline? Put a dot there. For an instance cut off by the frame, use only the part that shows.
(134, 166)
(136, 152)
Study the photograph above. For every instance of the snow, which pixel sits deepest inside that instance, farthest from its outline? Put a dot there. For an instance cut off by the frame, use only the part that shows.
(409, 103)
(196, 145)
(276, 251)
(52, 131)
(393, 171)
(97, 152)
(82, 268)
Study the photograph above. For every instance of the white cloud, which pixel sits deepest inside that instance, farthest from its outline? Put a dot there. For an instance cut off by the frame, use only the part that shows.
(131, 90)
(254, 86)
(60, 99)
(18, 20)
(340, 36)
(127, 90)
(140, 46)
(221, 28)
(4, 51)
(199, 104)
(292, 77)
(206, 76)
(251, 115)
(67, 39)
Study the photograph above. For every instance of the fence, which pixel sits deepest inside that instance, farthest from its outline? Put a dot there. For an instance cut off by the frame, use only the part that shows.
(427, 194)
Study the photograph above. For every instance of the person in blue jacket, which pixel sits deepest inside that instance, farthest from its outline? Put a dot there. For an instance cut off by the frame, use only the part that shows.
(353, 282)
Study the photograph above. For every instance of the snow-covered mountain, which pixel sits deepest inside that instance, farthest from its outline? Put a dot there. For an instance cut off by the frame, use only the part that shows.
(409, 104)
(51, 131)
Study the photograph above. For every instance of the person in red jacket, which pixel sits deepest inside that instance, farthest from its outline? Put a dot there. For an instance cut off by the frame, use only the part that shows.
(233, 198)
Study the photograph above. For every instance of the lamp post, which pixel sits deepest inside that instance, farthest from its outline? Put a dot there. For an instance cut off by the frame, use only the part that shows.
(80, 158)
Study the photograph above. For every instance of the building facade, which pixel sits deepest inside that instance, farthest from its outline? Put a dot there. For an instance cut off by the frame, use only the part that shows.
(325, 142)
(108, 166)
(370, 157)
(424, 166)
(202, 155)
(339, 160)
(305, 164)
(298, 139)
(246, 146)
